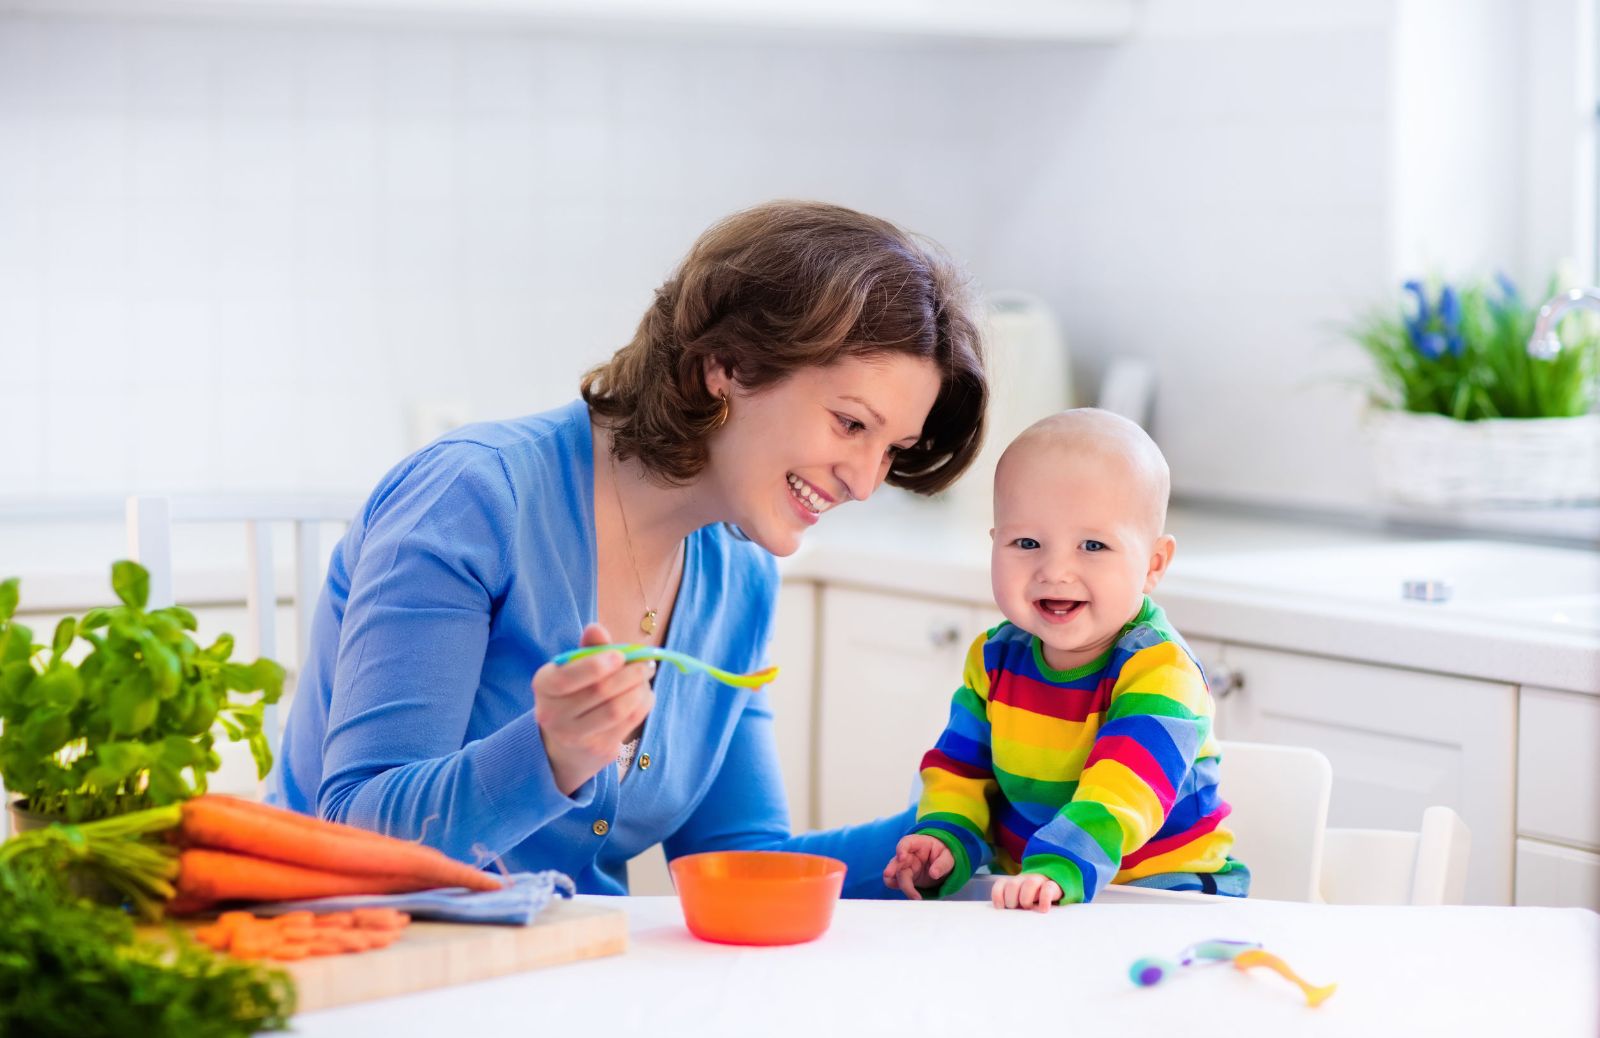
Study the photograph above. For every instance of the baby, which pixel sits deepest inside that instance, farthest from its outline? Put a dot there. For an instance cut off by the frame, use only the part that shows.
(1079, 749)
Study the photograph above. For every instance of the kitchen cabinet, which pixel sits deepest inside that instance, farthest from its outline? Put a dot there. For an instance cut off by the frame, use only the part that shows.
(1400, 741)
(1558, 768)
(793, 704)
(1558, 799)
(888, 667)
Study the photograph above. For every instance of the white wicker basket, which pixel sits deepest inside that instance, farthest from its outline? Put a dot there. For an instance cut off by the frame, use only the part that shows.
(1428, 459)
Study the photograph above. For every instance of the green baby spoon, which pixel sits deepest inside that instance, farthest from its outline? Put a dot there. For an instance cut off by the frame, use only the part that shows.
(685, 663)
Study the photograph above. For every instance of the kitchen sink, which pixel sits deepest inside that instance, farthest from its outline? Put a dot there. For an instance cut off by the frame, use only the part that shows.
(1519, 584)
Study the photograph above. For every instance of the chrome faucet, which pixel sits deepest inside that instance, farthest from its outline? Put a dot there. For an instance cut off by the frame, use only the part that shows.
(1544, 343)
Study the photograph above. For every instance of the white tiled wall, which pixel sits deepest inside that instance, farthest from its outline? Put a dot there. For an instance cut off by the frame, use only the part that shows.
(1218, 195)
(235, 255)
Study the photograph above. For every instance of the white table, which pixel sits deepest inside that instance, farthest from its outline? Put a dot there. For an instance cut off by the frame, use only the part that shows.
(963, 968)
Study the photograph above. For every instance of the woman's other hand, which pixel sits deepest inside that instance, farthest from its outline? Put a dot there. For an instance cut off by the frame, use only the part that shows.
(587, 708)
(919, 861)
(1025, 890)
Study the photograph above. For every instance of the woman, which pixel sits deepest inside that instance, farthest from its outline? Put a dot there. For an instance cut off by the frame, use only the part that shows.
(801, 355)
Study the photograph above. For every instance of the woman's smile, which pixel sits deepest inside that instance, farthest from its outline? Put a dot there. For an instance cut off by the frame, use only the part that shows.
(809, 501)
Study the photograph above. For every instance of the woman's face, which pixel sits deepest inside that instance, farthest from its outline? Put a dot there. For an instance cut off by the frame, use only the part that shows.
(791, 453)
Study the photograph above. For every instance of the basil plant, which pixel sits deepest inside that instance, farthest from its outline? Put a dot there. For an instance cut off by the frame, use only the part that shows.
(133, 722)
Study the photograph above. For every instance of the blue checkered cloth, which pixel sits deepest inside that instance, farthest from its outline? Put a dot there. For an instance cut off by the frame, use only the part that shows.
(517, 904)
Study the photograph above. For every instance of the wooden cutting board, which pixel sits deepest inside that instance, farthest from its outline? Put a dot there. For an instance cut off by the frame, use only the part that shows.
(432, 955)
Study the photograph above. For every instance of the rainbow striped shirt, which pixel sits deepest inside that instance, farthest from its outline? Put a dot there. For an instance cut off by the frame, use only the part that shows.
(1108, 771)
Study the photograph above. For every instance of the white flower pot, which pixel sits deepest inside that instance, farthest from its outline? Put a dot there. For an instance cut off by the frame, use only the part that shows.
(1428, 459)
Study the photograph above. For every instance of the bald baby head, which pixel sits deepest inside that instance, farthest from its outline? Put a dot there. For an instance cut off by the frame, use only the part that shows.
(1088, 434)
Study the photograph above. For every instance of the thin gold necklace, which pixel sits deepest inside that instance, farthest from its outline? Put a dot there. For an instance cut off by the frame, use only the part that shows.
(647, 622)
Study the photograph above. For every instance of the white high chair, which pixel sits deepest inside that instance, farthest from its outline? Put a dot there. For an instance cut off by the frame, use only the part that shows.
(1388, 867)
(149, 529)
(1280, 800)
(1279, 796)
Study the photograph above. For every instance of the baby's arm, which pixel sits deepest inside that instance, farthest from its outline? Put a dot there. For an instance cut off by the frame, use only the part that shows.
(919, 861)
(958, 782)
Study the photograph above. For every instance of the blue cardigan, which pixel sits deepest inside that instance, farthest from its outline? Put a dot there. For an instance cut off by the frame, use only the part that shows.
(471, 564)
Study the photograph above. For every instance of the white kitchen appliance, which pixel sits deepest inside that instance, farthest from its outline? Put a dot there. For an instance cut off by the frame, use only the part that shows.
(1029, 378)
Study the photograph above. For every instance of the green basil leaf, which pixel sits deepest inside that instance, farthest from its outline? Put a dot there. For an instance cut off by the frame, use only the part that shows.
(94, 619)
(115, 762)
(262, 754)
(17, 643)
(45, 732)
(183, 617)
(202, 715)
(222, 648)
(167, 784)
(267, 675)
(66, 630)
(236, 677)
(162, 663)
(131, 582)
(177, 753)
(10, 593)
(132, 704)
(15, 678)
(57, 688)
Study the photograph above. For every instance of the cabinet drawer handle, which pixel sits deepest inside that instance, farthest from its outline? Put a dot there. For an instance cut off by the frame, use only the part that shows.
(944, 636)
(1224, 681)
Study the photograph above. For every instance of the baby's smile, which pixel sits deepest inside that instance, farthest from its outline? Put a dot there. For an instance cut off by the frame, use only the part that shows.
(1058, 610)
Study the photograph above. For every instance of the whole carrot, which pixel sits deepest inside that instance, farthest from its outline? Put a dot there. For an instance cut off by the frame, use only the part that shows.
(257, 809)
(231, 824)
(206, 875)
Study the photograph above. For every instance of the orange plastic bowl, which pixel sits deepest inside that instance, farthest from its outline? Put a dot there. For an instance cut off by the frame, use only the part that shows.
(758, 897)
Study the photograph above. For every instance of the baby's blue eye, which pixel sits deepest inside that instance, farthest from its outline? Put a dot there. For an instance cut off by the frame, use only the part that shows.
(1093, 546)
(1026, 543)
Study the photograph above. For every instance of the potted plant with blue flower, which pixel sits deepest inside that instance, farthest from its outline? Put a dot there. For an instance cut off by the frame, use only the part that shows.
(1462, 413)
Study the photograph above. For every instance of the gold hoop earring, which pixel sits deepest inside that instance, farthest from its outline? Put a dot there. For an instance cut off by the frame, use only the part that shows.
(722, 414)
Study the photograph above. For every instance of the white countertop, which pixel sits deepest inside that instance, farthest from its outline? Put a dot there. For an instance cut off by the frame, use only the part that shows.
(909, 545)
(929, 969)
(903, 545)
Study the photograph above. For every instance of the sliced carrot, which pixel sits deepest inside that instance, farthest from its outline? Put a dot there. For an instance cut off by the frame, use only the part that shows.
(337, 919)
(300, 934)
(380, 918)
(233, 920)
(213, 937)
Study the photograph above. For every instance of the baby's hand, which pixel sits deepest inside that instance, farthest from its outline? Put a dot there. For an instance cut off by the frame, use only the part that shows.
(1025, 890)
(919, 861)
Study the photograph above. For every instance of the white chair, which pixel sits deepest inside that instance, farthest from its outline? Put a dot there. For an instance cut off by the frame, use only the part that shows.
(1387, 867)
(149, 528)
(1279, 796)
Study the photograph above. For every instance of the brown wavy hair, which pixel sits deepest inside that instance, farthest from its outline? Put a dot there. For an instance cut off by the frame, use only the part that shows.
(779, 287)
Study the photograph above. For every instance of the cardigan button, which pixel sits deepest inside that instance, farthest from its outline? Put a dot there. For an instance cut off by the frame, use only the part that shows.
(644, 762)
(601, 827)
